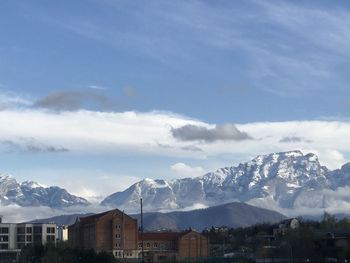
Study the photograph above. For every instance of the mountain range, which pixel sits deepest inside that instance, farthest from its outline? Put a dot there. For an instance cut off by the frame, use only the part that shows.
(31, 193)
(286, 181)
(278, 181)
(231, 215)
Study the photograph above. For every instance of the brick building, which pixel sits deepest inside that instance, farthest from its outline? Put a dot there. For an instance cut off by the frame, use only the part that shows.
(115, 232)
(112, 231)
(173, 246)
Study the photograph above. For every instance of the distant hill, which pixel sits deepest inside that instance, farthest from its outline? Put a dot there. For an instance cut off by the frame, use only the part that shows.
(232, 215)
(61, 220)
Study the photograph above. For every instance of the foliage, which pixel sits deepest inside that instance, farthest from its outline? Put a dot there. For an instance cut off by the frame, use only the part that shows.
(312, 240)
(62, 253)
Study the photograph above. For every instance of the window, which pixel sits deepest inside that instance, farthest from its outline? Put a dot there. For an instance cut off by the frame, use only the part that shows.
(4, 246)
(117, 245)
(20, 238)
(4, 230)
(117, 226)
(21, 230)
(117, 236)
(29, 230)
(4, 238)
(21, 245)
(140, 244)
(29, 238)
(155, 244)
(37, 238)
(50, 230)
(37, 230)
(148, 244)
(50, 238)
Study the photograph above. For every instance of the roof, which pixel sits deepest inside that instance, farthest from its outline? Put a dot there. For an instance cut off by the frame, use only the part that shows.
(183, 233)
(165, 235)
(91, 219)
(159, 236)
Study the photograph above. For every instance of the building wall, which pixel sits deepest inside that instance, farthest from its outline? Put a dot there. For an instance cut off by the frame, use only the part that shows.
(192, 245)
(13, 237)
(124, 235)
(62, 233)
(116, 232)
(112, 231)
(7, 236)
(103, 233)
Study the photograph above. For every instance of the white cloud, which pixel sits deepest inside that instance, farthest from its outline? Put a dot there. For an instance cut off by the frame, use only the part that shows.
(9, 100)
(97, 87)
(89, 132)
(184, 170)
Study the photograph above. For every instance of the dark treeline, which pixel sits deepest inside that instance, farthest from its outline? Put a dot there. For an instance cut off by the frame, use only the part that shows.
(61, 253)
(312, 241)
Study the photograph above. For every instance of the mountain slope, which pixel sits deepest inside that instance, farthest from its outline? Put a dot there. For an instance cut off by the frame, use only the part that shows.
(286, 180)
(31, 193)
(232, 215)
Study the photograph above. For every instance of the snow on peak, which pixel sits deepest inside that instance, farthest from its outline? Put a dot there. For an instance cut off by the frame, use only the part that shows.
(32, 184)
(281, 177)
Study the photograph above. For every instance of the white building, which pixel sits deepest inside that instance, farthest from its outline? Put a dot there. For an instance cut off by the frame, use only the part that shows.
(62, 233)
(14, 237)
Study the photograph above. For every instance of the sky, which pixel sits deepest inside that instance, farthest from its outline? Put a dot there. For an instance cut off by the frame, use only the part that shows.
(98, 94)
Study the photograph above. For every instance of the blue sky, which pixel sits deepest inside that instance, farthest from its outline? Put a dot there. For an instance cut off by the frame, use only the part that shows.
(95, 89)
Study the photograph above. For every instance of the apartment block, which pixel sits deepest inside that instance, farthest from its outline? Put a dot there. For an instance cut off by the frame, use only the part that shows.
(14, 237)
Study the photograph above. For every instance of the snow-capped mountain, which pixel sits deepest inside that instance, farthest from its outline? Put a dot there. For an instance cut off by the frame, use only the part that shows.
(287, 180)
(31, 193)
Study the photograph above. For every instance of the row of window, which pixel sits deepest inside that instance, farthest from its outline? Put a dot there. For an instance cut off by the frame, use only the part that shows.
(155, 244)
(4, 238)
(119, 254)
(4, 246)
(50, 230)
(50, 238)
(37, 230)
(4, 230)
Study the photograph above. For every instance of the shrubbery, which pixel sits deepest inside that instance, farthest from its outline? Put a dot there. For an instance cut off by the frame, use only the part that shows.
(61, 253)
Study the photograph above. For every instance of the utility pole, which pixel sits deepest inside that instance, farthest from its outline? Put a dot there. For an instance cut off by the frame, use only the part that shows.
(142, 256)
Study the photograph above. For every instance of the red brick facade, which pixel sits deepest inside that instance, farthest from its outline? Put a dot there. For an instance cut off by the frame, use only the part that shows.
(117, 233)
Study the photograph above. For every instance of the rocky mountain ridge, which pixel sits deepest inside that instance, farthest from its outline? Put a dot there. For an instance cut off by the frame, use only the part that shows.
(286, 180)
(30, 193)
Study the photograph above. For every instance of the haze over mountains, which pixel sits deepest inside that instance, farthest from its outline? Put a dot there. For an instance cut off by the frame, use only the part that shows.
(285, 182)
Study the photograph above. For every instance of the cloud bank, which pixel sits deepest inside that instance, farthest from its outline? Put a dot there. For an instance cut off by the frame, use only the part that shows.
(167, 134)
